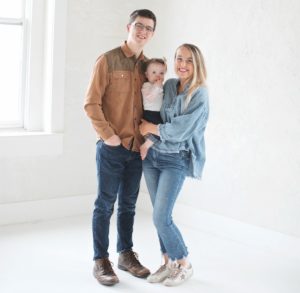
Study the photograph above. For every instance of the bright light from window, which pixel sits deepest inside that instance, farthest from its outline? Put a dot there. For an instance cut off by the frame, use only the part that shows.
(11, 30)
(11, 8)
(10, 73)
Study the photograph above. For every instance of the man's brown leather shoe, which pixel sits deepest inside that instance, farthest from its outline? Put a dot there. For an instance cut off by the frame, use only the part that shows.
(104, 273)
(128, 261)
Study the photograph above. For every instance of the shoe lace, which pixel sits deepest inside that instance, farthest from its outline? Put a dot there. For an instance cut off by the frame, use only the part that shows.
(107, 266)
(176, 269)
(161, 269)
(133, 258)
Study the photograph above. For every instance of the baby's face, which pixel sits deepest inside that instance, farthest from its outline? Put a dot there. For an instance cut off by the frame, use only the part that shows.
(155, 72)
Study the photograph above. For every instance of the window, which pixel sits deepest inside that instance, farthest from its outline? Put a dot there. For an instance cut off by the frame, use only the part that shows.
(32, 34)
(11, 60)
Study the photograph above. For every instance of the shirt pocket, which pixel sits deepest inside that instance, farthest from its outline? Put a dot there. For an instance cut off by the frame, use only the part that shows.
(120, 82)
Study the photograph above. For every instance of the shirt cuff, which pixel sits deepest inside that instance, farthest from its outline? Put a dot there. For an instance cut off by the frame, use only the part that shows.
(158, 132)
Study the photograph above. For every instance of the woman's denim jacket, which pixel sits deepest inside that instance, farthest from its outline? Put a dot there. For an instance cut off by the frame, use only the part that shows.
(183, 130)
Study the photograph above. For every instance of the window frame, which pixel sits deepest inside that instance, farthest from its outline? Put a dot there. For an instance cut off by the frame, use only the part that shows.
(44, 51)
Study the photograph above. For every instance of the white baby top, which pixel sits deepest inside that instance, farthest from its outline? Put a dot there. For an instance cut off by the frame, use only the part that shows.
(152, 96)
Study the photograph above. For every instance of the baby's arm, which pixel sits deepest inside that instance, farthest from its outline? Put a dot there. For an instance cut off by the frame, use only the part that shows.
(145, 147)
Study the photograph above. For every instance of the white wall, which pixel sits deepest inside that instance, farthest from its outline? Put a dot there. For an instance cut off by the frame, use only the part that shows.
(253, 137)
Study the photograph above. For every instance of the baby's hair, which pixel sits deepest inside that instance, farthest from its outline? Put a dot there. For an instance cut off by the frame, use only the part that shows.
(162, 61)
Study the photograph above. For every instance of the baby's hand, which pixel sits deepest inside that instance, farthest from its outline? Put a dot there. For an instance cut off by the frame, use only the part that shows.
(143, 151)
(159, 82)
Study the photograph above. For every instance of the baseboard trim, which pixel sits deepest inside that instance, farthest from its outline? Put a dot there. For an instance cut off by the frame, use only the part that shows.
(47, 209)
(254, 236)
(251, 235)
(231, 229)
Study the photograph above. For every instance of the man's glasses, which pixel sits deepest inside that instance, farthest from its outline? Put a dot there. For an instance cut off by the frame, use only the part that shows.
(140, 27)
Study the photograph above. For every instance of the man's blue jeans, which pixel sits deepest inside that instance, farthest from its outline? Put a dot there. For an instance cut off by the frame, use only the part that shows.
(119, 173)
(164, 175)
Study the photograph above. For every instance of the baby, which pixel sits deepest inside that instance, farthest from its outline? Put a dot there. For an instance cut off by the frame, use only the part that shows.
(152, 92)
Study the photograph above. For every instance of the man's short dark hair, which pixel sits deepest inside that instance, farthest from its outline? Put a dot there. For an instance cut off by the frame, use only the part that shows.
(142, 13)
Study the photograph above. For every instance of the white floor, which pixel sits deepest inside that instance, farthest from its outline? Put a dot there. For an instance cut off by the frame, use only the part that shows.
(55, 256)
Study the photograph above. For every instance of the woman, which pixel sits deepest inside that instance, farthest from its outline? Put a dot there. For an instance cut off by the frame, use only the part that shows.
(180, 152)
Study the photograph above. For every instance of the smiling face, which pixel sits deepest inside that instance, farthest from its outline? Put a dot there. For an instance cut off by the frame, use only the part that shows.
(140, 31)
(184, 66)
(155, 72)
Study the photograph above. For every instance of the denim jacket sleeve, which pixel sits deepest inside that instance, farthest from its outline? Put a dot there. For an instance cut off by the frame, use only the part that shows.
(182, 126)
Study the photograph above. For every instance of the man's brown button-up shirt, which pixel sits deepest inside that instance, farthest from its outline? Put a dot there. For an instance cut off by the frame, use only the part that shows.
(113, 100)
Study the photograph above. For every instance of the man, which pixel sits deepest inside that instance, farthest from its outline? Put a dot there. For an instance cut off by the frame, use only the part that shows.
(114, 105)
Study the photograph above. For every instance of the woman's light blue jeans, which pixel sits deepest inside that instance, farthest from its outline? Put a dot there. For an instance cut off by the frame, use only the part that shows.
(164, 174)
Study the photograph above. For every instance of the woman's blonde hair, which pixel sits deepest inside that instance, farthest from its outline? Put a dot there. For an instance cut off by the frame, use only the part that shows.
(199, 76)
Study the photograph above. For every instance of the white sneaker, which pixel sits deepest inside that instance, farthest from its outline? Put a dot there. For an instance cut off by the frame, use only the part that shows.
(178, 275)
(161, 274)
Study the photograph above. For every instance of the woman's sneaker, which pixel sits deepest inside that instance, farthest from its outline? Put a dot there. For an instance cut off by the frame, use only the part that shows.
(160, 275)
(178, 275)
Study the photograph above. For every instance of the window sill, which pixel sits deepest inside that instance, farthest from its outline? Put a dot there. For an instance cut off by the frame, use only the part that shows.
(28, 144)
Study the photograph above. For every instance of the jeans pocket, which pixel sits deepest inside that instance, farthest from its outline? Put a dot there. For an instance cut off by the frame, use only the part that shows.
(112, 146)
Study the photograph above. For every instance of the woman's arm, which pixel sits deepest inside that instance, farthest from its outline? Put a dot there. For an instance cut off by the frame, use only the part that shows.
(183, 126)
(147, 127)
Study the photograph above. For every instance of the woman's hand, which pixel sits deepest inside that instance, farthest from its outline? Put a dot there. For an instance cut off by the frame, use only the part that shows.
(147, 127)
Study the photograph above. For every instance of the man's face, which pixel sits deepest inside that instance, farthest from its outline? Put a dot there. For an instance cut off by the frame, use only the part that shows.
(140, 31)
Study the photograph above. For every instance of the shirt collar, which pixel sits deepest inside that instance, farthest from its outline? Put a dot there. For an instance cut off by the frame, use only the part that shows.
(128, 53)
(187, 86)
